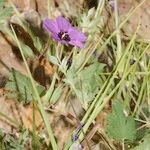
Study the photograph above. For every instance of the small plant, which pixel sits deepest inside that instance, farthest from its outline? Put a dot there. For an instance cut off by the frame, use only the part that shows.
(120, 127)
(74, 76)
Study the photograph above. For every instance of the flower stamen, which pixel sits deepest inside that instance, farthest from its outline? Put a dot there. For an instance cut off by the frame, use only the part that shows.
(64, 36)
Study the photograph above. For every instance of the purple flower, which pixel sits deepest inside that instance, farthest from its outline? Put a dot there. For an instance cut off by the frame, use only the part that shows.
(61, 30)
(75, 135)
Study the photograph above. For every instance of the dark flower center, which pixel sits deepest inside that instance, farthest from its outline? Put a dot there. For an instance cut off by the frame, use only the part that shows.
(64, 36)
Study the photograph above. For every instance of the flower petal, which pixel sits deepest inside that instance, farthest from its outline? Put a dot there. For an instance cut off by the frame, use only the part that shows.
(77, 43)
(75, 34)
(63, 24)
(51, 26)
(64, 42)
(55, 37)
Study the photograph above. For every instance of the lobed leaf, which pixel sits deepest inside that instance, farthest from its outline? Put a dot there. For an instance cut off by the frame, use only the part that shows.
(19, 87)
(86, 82)
(120, 127)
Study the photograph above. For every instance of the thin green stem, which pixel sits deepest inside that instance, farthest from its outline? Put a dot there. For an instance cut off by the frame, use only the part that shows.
(47, 96)
(131, 12)
(43, 114)
(49, 8)
(99, 8)
(119, 46)
(114, 73)
(100, 105)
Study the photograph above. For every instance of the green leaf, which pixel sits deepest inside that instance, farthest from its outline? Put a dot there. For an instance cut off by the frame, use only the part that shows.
(56, 94)
(27, 50)
(119, 126)
(19, 87)
(37, 43)
(5, 12)
(145, 145)
(89, 23)
(53, 60)
(63, 66)
(86, 82)
(1, 3)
